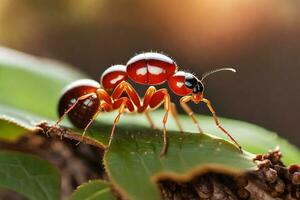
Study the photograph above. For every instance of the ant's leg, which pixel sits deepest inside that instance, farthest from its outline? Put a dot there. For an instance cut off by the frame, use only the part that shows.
(152, 125)
(208, 104)
(175, 116)
(167, 103)
(125, 102)
(104, 96)
(148, 98)
(183, 102)
(129, 90)
(154, 99)
(90, 122)
(69, 109)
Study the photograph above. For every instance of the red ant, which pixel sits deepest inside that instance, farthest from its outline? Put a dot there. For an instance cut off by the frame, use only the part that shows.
(84, 99)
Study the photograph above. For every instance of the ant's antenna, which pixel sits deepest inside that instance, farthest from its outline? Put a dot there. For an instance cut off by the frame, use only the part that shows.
(217, 70)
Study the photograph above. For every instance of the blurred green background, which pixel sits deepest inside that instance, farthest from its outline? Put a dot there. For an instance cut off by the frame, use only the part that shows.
(259, 38)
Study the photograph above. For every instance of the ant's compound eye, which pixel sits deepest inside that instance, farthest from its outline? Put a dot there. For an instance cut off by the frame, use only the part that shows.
(198, 88)
(190, 81)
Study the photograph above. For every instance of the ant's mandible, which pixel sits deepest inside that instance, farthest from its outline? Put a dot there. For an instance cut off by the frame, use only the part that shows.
(84, 99)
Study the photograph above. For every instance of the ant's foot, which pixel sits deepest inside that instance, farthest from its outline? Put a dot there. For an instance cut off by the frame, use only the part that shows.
(55, 126)
(240, 148)
(163, 151)
(81, 140)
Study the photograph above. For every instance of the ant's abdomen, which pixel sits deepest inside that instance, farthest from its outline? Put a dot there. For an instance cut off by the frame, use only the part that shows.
(150, 68)
(84, 110)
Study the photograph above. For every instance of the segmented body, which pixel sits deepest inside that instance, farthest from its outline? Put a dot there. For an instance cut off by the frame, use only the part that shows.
(147, 69)
(83, 100)
(150, 68)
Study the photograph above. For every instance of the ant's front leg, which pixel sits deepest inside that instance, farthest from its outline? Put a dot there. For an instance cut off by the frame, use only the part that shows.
(183, 102)
(208, 104)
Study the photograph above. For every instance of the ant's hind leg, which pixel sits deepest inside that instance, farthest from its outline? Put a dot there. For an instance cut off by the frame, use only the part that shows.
(175, 116)
(81, 98)
(183, 102)
(89, 124)
(208, 104)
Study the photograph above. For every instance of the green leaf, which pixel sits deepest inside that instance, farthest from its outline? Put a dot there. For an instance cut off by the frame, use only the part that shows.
(15, 122)
(30, 87)
(10, 132)
(93, 190)
(133, 162)
(28, 175)
(252, 138)
(32, 84)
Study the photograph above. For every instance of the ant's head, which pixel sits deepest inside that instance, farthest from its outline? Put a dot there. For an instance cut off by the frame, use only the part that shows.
(183, 83)
(197, 87)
